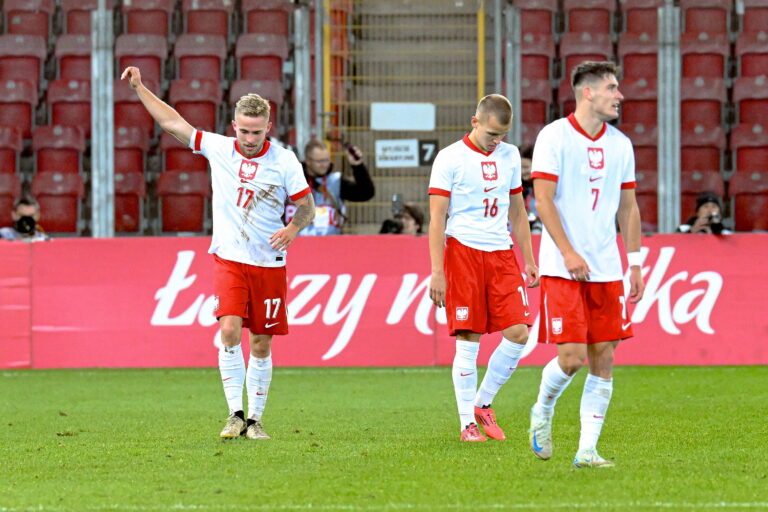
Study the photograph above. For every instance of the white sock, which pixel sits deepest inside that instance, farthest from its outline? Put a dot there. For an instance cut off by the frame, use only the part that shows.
(501, 366)
(257, 382)
(465, 379)
(553, 382)
(594, 405)
(232, 369)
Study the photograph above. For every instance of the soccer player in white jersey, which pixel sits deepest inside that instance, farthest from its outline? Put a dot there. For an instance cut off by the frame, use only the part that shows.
(251, 179)
(476, 183)
(584, 179)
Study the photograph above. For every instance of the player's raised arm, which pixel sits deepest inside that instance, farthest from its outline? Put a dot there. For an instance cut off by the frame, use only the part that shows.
(518, 219)
(629, 224)
(438, 209)
(168, 119)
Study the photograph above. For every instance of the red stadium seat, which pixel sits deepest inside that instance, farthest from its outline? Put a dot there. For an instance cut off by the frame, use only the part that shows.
(10, 190)
(537, 16)
(647, 199)
(177, 157)
(146, 51)
(536, 98)
(59, 196)
(751, 55)
(58, 148)
(704, 54)
(749, 195)
(130, 191)
(200, 56)
(197, 101)
(22, 57)
(692, 184)
(749, 143)
(69, 103)
(537, 54)
(129, 111)
(211, 17)
(638, 54)
(701, 147)
(261, 56)
(750, 95)
(148, 16)
(73, 56)
(31, 17)
(645, 141)
(702, 100)
(131, 146)
(594, 16)
(530, 132)
(706, 15)
(641, 16)
(183, 200)
(578, 47)
(77, 15)
(11, 145)
(639, 105)
(18, 99)
(755, 16)
(266, 16)
(565, 97)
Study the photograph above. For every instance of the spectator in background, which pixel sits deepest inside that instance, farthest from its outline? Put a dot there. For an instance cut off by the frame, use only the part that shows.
(708, 218)
(25, 215)
(409, 221)
(330, 189)
(526, 155)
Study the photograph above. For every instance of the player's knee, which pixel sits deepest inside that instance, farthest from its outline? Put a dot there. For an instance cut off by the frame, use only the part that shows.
(261, 346)
(571, 363)
(516, 334)
(230, 335)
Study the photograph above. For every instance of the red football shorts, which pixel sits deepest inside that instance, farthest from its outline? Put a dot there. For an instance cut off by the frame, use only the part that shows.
(485, 290)
(256, 294)
(582, 312)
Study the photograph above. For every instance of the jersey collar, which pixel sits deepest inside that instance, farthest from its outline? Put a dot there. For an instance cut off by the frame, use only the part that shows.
(578, 128)
(261, 153)
(471, 146)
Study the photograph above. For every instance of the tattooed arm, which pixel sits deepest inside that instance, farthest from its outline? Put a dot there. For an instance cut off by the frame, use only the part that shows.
(305, 212)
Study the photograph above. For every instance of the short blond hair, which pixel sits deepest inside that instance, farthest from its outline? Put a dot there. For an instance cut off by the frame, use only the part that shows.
(252, 105)
(496, 105)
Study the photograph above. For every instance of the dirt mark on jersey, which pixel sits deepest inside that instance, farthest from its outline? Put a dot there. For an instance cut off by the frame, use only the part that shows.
(263, 197)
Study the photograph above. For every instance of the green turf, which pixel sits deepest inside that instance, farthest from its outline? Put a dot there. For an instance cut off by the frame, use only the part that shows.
(375, 439)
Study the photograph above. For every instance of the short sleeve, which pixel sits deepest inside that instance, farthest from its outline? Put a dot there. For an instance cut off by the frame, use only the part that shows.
(628, 173)
(204, 143)
(294, 181)
(441, 179)
(545, 163)
(516, 178)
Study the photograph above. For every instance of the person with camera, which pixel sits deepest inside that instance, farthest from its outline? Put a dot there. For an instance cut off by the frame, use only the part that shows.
(708, 218)
(330, 188)
(25, 215)
(408, 219)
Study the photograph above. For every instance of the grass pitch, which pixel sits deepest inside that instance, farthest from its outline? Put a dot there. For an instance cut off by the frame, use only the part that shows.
(375, 440)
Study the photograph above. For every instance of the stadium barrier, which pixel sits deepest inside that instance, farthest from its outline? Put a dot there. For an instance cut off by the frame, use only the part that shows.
(352, 301)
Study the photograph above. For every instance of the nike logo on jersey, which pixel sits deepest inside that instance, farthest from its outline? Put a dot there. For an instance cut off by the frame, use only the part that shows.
(466, 374)
(625, 326)
(595, 178)
(488, 189)
(267, 326)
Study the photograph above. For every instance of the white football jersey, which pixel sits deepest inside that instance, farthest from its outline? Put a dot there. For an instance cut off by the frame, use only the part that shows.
(249, 195)
(590, 174)
(479, 185)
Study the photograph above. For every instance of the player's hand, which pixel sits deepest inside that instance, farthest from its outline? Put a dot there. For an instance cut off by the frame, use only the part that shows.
(437, 289)
(636, 285)
(577, 266)
(283, 237)
(532, 271)
(133, 75)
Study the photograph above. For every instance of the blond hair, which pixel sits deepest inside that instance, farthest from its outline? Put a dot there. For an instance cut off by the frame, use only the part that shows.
(252, 105)
(496, 105)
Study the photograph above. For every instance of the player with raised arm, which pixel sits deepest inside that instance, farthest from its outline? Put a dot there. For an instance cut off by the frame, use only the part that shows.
(476, 183)
(251, 180)
(584, 180)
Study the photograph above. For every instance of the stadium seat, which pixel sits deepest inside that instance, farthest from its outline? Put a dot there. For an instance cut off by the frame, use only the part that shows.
(76, 15)
(22, 58)
(183, 201)
(10, 190)
(11, 145)
(692, 184)
(594, 16)
(704, 54)
(749, 143)
(566, 99)
(211, 17)
(148, 16)
(750, 95)
(30, 17)
(701, 147)
(129, 111)
(639, 105)
(645, 141)
(647, 199)
(73, 56)
(755, 16)
(18, 99)
(702, 100)
(261, 56)
(751, 55)
(131, 146)
(536, 98)
(530, 132)
(177, 157)
(537, 16)
(200, 56)
(58, 148)
(59, 196)
(537, 55)
(146, 51)
(130, 191)
(577, 47)
(197, 101)
(266, 16)
(69, 103)
(749, 196)
(641, 16)
(638, 54)
(711, 16)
